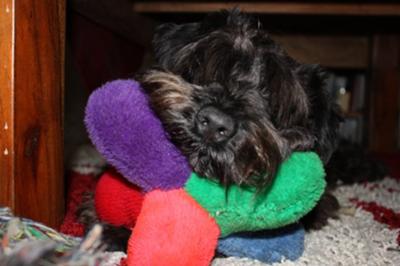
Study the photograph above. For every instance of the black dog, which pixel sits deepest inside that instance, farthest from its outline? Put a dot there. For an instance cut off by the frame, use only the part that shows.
(235, 103)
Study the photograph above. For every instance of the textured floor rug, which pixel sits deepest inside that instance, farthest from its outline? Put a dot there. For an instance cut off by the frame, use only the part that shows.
(367, 232)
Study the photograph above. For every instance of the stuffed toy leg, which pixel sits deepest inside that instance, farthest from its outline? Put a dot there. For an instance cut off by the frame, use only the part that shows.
(182, 214)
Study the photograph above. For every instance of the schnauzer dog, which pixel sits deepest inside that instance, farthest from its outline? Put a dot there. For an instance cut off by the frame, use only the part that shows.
(237, 105)
(234, 102)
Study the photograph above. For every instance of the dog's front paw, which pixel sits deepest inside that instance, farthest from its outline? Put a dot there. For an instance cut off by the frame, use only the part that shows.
(326, 208)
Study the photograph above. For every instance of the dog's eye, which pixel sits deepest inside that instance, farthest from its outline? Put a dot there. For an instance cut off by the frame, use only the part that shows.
(204, 122)
(222, 131)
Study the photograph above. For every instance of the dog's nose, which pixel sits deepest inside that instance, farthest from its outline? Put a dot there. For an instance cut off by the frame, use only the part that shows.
(215, 125)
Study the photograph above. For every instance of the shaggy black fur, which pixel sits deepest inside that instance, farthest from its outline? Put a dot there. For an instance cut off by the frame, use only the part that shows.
(229, 63)
(350, 164)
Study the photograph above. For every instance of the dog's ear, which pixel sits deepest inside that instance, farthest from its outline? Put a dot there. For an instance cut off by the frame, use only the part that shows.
(288, 98)
(326, 113)
(169, 39)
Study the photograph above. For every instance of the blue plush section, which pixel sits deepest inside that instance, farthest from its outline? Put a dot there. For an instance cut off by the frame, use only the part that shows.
(268, 246)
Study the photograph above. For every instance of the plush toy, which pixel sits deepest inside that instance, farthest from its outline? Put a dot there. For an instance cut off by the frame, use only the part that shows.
(183, 215)
(119, 202)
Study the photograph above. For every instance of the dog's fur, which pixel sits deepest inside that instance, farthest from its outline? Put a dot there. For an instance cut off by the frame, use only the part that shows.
(228, 61)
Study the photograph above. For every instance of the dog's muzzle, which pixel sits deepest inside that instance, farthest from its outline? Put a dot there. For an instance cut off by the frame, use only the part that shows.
(214, 125)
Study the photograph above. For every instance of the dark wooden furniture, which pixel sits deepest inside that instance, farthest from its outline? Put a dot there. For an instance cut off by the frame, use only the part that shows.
(356, 8)
(31, 108)
(31, 81)
(384, 93)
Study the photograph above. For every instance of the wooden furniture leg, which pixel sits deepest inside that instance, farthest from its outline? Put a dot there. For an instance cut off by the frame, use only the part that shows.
(31, 108)
(384, 93)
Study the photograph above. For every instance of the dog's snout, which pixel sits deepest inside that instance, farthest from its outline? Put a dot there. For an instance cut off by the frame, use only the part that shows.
(215, 125)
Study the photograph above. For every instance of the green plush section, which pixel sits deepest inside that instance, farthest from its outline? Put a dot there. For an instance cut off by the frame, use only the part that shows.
(294, 192)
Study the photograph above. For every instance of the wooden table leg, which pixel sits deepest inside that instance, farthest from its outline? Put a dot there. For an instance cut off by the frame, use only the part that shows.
(384, 93)
(31, 108)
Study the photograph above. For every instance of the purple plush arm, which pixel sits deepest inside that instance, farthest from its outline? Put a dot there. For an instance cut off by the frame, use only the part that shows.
(132, 139)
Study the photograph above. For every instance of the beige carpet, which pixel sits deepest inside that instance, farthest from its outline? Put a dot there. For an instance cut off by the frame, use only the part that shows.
(356, 238)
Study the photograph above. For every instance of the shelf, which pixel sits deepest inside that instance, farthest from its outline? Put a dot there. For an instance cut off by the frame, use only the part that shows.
(353, 115)
(293, 8)
(339, 51)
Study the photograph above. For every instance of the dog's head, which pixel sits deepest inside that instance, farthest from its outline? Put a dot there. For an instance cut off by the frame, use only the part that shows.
(227, 94)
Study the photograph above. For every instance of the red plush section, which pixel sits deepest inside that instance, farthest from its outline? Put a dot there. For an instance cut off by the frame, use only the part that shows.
(172, 229)
(79, 185)
(118, 202)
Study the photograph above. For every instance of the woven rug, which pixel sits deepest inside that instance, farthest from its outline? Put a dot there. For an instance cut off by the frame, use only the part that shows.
(367, 232)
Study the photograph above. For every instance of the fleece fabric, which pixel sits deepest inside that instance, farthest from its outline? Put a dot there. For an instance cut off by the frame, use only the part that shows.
(294, 192)
(129, 135)
(117, 201)
(79, 184)
(172, 229)
(268, 246)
